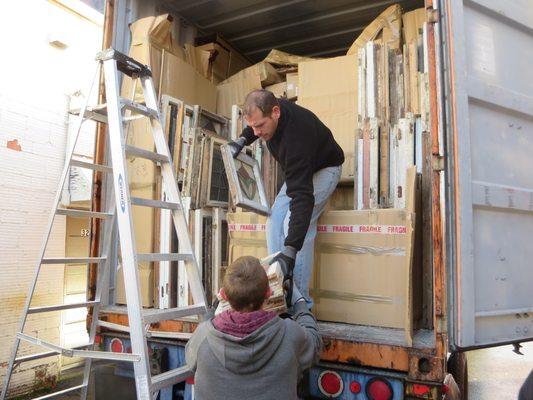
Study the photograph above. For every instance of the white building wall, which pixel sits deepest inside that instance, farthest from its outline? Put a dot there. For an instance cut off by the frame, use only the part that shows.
(37, 81)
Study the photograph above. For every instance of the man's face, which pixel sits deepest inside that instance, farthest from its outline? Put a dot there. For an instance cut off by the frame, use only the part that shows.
(264, 126)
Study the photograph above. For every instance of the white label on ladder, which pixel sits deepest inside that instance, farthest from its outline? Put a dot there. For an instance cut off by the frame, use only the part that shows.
(122, 195)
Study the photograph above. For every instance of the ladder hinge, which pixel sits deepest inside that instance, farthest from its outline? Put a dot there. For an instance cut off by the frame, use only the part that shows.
(67, 352)
(438, 163)
(433, 15)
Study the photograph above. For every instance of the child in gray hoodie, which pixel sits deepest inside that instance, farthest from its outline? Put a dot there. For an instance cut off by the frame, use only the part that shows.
(249, 353)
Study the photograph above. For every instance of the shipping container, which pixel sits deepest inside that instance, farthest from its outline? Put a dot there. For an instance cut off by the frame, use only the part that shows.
(477, 284)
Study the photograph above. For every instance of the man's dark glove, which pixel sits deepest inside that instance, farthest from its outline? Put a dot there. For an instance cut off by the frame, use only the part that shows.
(286, 260)
(236, 146)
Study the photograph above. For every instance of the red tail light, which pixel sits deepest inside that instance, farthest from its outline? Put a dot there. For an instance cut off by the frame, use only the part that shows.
(117, 346)
(420, 390)
(330, 383)
(355, 387)
(379, 389)
(98, 339)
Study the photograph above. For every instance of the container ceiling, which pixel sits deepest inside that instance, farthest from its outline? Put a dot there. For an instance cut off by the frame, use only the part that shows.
(321, 28)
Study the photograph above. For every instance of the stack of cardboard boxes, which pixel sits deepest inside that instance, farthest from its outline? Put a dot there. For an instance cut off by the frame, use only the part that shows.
(374, 100)
(366, 267)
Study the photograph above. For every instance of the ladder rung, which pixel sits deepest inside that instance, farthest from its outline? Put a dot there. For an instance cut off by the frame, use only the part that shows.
(149, 155)
(149, 334)
(115, 327)
(83, 213)
(72, 260)
(64, 391)
(64, 351)
(137, 201)
(151, 316)
(154, 257)
(88, 165)
(45, 354)
(114, 309)
(97, 113)
(170, 378)
(132, 118)
(139, 108)
(58, 307)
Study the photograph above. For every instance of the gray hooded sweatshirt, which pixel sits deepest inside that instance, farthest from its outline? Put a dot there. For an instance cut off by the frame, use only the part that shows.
(266, 364)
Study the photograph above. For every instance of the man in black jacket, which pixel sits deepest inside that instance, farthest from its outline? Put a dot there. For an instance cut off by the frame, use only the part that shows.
(311, 161)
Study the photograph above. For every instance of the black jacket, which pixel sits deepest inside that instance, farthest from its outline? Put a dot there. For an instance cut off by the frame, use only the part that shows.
(302, 145)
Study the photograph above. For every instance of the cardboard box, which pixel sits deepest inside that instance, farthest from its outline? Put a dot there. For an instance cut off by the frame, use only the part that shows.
(292, 85)
(388, 23)
(152, 44)
(218, 62)
(235, 91)
(199, 59)
(247, 235)
(237, 61)
(267, 74)
(363, 266)
(328, 88)
(182, 81)
(279, 89)
(282, 59)
(146, 277)
(342, 198)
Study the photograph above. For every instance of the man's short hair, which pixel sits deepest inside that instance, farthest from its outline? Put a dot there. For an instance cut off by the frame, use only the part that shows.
(261, 99)
(245, 284)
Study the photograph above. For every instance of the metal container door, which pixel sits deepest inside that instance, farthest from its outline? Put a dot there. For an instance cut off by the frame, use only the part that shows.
(489, 54)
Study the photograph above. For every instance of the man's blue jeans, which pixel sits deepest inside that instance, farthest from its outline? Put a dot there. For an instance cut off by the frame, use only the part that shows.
(324, 183)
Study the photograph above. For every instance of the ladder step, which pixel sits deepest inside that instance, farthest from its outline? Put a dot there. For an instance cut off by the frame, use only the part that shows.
(38, 356)
(137, 201)
(113, 326)
(58, 307)
(73, 352)
(149, 334)
(82, 213)
(149, 155)
(170, 378)
(151, 316)
(96, 113)
(154, 257)
(72, 260)
(88, 165)
(64, 391)
(139, 108)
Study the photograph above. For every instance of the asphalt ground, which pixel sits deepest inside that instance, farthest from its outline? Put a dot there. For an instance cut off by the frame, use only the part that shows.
(498, 373)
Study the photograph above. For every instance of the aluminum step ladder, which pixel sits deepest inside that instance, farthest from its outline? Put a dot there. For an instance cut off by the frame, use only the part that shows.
(116, 113)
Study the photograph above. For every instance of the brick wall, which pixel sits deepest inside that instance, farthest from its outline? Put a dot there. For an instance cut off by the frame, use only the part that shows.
(36, 86)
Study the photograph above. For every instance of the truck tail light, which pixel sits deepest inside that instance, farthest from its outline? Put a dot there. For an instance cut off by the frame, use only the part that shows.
(98, 339)
(330, 384)
(420, 390)
(117, 346)
(379, 389)
(355, 387)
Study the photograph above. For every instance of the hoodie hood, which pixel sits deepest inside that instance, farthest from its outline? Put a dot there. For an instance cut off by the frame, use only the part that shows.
(241, 324)
(248, 354)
